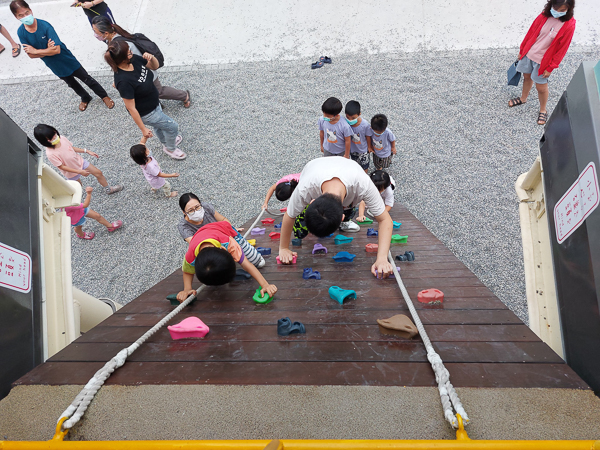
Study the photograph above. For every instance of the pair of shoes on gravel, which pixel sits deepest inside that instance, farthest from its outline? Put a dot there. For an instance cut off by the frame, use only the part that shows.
(321, 62)
(107, 101)
(542, 116)
(16, 51)
(177, 153)
(89, 235)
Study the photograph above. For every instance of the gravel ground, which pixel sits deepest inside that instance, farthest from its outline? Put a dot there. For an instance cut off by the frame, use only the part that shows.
(460, 150)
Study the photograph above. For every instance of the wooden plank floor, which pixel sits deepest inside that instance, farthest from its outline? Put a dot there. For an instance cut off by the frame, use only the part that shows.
(482, 343)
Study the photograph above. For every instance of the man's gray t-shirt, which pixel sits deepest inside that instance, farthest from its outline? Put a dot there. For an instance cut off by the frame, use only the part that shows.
(187, 229)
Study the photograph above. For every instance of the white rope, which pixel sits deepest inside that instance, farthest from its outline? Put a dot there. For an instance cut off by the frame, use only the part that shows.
(76, 410)
(448, 395)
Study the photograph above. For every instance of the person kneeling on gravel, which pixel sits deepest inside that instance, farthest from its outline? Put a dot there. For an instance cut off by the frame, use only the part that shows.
(212, 254)
(79, 213)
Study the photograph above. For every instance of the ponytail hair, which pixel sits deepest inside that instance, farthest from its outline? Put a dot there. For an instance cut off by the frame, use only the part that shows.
(104, 25)
(381, 180)
(284, 190)
(117, 53)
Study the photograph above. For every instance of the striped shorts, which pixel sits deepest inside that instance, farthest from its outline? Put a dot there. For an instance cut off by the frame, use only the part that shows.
(250, 252)
(382, 163)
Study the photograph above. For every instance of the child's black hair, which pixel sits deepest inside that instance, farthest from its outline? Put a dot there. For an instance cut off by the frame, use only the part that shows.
(379, 123)
(332, 106)
(214, 266)
(138, 154)
(381, 179)
(352, 108)
(284, 190)
(324, 215)
(44, 134)
(185, 199)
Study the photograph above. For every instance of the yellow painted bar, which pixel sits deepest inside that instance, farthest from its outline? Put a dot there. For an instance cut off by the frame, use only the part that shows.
(302, 445)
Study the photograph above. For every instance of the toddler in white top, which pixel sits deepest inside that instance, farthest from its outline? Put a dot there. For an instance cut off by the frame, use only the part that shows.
(141, 155)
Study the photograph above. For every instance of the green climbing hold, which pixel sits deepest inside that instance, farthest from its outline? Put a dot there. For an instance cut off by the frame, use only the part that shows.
(367, 221)
(263, 300)
(397, 239)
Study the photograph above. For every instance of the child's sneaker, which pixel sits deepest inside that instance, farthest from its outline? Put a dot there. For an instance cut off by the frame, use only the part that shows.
(350, 227)
(115, 226)
(175, 154)
(87, 236)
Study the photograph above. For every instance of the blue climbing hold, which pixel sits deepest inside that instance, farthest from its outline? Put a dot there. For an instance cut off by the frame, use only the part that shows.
(278, 225)
(339, 295)
(344, 257)
(410, 256)
(372, 232)
(309, 274)
(285, 327)
(263, 250)
(341, 239)
(396, 224)
(297, 242)
(241, 275)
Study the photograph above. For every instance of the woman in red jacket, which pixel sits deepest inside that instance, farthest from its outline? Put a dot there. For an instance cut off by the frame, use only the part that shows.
(542, 50)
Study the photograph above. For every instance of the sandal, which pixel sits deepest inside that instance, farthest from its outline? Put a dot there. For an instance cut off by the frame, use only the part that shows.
(325, 59)
(188, 102)
(542, 118)
(175, 154)
(515, 102)
(108, 102)
(317, 65)
(87, 236)
(3, 48)
(115, 226)
(83, 106)
(16, 51)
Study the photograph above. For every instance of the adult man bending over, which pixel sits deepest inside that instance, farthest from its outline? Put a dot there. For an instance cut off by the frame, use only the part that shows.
(327, 193)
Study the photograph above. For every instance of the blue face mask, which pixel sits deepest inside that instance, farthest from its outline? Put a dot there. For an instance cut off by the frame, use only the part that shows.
(27, 20)
(377, 134)
(326, 119)
(352, 122)
(557, 14)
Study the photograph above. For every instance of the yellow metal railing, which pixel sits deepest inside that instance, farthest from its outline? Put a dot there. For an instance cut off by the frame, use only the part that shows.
(462, 442)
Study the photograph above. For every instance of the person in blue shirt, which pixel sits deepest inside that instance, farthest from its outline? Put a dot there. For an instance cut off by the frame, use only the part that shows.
(41, 41)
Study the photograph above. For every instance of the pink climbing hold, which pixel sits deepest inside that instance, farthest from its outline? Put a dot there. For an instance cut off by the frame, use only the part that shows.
(279, 261)
(371, 248)
(268, 221)
(431, 296)
(189, 328)
(274, 235)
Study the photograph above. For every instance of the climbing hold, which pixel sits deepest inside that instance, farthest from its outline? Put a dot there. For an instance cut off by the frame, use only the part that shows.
(173, 299)
(256, 231)
(293, 260)
(263, 300)
(339, 295)
(344, 257)
(401, 258)
(410, 256)
(267, 221)
(297, 242)
(328, 236)
(252, 242)
(372, 232)
(278, 225)
(274, 235)
(397, 239)
(285, 327)
(431, 297)
(367, 221)
(340, 239)
(371, 248)
(396, 225)
(263, 250)
(398, 325)
(283, 209)
(319, 249)
(189, 328)
(241, 275)
(309, 274)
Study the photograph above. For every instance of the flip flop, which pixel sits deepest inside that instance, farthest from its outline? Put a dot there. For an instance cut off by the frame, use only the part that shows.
(108, 102)
(325, 59)
(317, 65)
(3, 48)
(83, 106)
(188, 101)
(16, 51)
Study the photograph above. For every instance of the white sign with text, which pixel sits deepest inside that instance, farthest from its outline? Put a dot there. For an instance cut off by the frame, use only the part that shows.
(15, 269)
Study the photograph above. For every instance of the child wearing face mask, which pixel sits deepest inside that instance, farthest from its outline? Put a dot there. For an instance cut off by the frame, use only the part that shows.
(383, 142)
(141, 156)
(361, 135)
(334, 133)
(67, 159)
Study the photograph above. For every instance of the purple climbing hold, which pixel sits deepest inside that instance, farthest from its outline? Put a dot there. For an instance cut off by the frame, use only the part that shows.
(319, 249)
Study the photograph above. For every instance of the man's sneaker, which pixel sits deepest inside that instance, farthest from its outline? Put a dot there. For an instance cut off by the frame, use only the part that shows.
(261, 263)
(349, 226)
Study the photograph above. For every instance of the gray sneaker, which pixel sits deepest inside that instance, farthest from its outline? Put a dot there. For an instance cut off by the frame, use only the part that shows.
(350, 227)
(113, 189)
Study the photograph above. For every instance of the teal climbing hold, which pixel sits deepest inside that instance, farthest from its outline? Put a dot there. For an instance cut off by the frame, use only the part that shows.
(344, 257)
(396, 224)
(339, 295)
(397, 239)
(341, 239)
(263, 300)
(173, 299)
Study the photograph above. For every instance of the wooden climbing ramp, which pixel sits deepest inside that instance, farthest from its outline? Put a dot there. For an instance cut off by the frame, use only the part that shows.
(482, 343)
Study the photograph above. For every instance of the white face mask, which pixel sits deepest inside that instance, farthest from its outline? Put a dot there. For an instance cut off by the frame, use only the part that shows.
(196, 216)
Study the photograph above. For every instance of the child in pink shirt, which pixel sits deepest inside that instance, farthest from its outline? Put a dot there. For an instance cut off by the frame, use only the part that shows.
(67, 159)
(79, 213)
(141, 155)
(283, 188)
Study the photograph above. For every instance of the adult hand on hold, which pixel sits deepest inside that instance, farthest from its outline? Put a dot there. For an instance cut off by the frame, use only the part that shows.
(382, 268)
(147, 133)
(546, 74)
(270, 289)
(286, 256)
(182, 295)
